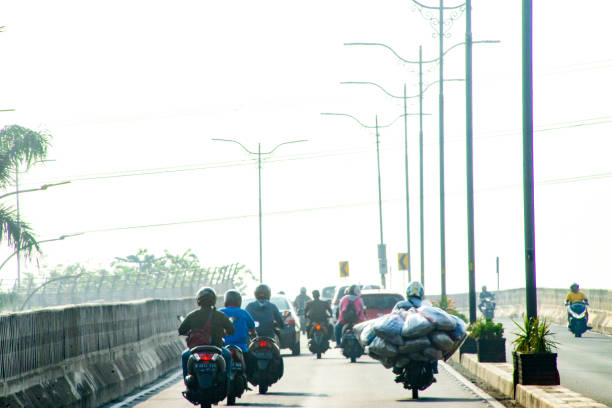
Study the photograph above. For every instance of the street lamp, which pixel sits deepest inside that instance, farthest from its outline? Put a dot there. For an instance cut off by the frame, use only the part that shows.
(382, 251)
(259, 153)
(60, 238)
(404, 97)
(440, 59)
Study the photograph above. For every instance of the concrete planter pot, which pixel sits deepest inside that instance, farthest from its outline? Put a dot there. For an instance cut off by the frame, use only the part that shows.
(491, 350)
(469, 346)
(535, 369)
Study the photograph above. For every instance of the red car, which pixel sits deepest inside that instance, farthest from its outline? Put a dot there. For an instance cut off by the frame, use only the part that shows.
(379, 302)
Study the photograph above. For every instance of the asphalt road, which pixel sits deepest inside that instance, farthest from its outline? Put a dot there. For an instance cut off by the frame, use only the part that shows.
(334, 382)
(585, 363)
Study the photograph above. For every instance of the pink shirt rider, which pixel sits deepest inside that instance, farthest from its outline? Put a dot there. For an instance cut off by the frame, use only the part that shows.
(357, 301)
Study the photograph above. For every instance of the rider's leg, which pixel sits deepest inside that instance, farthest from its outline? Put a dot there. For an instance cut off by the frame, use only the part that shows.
(338, 333)
(184, 359)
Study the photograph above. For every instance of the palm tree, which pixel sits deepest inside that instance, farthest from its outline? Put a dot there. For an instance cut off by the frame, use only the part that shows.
(19, 147)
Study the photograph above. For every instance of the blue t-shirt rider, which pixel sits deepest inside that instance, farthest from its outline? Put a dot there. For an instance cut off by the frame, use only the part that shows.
(243, 322)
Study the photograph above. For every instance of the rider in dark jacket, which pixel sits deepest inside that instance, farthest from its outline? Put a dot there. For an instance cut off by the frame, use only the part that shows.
(265, 313)
(220, 325)
(318, 311)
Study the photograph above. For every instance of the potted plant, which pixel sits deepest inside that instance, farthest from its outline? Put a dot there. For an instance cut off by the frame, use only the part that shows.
(469, 345)
(490, 341)
(535, 363)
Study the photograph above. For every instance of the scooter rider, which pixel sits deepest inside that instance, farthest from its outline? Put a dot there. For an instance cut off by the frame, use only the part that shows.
(319, 311)
(242, 320)
(264, 312)
(218, 325)
(484, 294)
(575, 295)
(300, 303)
(349, 314)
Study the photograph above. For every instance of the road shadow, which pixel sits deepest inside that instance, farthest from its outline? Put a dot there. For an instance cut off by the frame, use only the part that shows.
(263, 404)
(297, 394)
(433, 399)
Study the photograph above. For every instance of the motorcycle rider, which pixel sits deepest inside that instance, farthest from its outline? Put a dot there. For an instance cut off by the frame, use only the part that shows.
(242, 320)
(353, 315)
(264, 312)
(484, 294)
(575, 295)
(299, 304)
(218, 323)
(415, 294)
(317, 310)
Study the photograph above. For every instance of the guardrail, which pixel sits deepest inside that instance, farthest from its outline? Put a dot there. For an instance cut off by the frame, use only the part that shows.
(511, 303)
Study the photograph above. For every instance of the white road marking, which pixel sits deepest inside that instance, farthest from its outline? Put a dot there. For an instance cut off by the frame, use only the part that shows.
(472, 387)
(127, 402)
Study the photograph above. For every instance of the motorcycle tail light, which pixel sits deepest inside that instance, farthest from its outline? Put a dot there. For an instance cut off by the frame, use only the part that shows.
(318, 327)
(263, 343)
(233, 352)
(205, 356)
(290, 320)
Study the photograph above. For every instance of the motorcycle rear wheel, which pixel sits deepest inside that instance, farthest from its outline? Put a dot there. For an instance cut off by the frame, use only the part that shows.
(353, 359)
(231, 400)
(263, 388)
(415, 393)
(318, 355)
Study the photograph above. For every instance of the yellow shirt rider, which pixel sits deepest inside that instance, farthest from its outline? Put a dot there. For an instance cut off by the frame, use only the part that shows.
(575, 295)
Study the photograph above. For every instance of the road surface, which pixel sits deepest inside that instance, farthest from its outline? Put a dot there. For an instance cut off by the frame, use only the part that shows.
(334, 382)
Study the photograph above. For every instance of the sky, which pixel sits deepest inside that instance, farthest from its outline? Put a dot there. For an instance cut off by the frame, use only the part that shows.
(134, 92)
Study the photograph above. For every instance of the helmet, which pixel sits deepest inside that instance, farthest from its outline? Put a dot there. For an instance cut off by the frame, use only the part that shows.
(303, 290)
(263, 292)
(484, 288)
(316, 294)
(354, 290)
(415, 289)
(233, 298)
(206, 297)
(574, 285)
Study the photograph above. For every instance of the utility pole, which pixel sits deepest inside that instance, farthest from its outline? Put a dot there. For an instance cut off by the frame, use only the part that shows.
(528, 204)
(469, 160)
(421, 212)
(382, 252)
(260, 217)
(19, 224)
(441, 142)
(407, 186)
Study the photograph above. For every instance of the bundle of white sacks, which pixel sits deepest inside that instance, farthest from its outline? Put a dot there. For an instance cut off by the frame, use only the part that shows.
(426, 333)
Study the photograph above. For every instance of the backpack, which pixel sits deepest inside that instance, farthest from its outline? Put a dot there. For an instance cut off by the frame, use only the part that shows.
(349, 315)
(200, 337)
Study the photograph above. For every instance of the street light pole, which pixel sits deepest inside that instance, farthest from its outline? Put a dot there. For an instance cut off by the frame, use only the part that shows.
(407, 186)
(528, 202)
(421, 208)
(382, 255)
(469, 161)
(441, 155)
(260, 215)
(259, 153)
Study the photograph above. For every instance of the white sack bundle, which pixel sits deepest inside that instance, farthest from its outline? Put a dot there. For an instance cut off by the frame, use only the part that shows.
(389, 327)
(365, 332)
(415, 345)
(417, 325)
(442, 320)
(381, 348)
(442, 341)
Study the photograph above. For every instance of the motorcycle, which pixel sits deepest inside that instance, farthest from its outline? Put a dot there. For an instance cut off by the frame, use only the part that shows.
(237, 376)
(267, 363)
(417, 375)
(578, 315)
(351, 348)
(487, 307)
(207, 380)
(319, 339)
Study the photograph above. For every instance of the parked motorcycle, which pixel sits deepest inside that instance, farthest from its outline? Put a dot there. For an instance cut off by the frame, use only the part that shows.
(487, 307)
(417, 375)
(267, 363)
(319, 338)
(207, 376)
(351, 348)
(237, 376)
(578, 315)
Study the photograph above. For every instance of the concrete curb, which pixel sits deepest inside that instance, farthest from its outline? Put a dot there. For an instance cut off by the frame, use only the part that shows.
(499, 376)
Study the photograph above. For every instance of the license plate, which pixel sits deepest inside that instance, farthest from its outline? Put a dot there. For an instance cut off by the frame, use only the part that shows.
(263, 355)
(237, 366)
(206, 366)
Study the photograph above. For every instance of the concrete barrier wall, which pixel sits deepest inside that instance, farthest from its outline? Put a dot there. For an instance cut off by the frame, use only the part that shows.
(511, 303)
(87, 355)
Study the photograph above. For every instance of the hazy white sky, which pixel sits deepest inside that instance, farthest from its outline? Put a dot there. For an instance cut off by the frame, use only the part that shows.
(143, 87)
